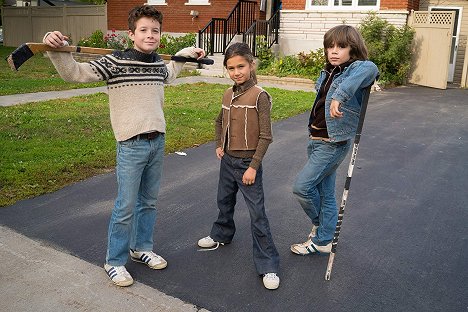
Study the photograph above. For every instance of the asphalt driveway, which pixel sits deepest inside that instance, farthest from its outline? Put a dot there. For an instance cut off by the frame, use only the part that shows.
(404, 240)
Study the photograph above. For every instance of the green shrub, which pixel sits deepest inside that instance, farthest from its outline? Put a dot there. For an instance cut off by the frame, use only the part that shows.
(96, 40)
(303, 65)
(389, 48)
(121, 41)
(171, 45)
(264, 54)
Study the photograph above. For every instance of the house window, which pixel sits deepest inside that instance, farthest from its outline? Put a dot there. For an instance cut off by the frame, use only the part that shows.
(157, 2)
(343, 4)
(197, 2)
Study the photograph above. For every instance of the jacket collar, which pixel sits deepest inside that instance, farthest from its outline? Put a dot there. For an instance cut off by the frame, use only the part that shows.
(238, 89)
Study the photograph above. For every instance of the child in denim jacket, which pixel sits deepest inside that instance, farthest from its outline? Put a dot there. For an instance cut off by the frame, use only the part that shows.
(332, 124)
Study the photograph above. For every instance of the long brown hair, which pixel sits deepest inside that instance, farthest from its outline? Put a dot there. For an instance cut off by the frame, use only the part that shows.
(343, 36)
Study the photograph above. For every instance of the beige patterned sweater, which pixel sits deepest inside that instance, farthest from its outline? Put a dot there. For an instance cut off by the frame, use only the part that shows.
(135, 83)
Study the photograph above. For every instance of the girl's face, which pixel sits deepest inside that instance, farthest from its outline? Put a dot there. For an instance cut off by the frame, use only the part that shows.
(337, 55)
(147, 35)
(239, 69)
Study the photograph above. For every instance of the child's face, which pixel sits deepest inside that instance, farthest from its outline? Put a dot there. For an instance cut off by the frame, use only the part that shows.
(147, 35)
(337, 55)
(239, 69)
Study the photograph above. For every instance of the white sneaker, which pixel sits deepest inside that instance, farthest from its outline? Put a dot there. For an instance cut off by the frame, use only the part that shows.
(313, 231)
(150, 258)
(208, 242)
(271, 281)
(309, 247)
(118, 275)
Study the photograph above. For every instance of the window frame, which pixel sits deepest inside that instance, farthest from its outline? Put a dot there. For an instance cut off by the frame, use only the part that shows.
(353, 7)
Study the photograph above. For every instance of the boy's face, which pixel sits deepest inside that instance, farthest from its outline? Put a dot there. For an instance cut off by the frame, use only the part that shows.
(239, 69)
(147, 35)
(337, 55)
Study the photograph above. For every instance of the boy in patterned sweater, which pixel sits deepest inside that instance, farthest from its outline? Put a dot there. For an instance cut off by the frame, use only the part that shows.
(135, 82)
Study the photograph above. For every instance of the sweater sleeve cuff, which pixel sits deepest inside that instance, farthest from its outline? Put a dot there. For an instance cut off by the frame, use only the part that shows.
(255, 163)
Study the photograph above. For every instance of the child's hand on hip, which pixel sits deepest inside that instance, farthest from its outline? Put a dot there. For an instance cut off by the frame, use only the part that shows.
(249, 176)
(219, 153)
(334, 109)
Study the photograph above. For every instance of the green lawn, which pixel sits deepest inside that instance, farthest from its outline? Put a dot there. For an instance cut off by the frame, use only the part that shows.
(47, 145)
(35, 75)
(38, 74)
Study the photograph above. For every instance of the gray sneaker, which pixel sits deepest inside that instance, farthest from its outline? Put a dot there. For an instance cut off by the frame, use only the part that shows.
(118, 275)
(271, 281)
(149, 258)
(208, 242)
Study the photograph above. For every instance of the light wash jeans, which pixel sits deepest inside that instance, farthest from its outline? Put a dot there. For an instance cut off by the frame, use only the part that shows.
(139, 169)
(265, 255)
(315, 186)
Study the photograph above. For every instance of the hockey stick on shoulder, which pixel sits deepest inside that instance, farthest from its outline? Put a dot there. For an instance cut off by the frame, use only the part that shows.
(27, 50)
(357, 138)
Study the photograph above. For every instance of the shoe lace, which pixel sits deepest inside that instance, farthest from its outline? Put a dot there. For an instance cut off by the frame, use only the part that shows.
(270, 276)
(121, 270)
(212, 248)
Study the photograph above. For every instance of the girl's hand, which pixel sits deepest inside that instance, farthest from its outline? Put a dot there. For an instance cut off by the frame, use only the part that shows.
(249, 176)
(334, 109)
(219, 153)
(200, 53)
(55, 39)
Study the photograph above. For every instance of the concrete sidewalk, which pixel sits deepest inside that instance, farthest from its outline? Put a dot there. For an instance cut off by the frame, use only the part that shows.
(36, 277)
(263, 81)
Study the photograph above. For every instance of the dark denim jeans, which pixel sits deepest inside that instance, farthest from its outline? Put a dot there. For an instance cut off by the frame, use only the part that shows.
(265, 255)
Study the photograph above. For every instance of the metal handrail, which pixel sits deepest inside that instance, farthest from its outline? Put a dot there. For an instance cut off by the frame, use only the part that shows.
(268, 29)
(219, 32)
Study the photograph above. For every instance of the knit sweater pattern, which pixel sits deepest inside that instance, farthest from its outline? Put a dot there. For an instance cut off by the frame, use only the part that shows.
(135, 85)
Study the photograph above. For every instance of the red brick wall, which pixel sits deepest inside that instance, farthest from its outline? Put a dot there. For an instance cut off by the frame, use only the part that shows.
(384, 4)
(293, 4)
(399, 5)
(176, 14)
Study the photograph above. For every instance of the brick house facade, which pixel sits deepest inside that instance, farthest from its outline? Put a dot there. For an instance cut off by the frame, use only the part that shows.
(177, 13)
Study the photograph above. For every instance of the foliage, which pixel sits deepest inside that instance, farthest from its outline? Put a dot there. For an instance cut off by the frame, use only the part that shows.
(305, 65)
(389, 48)
(171, 45)
(48, 145)
(117, 41)
(96, 40)
(264, 54)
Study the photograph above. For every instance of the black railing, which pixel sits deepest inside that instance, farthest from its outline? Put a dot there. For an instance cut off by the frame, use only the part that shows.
(218, 33)
(262, 33)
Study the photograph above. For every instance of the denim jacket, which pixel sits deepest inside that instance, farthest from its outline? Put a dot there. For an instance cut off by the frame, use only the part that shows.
(347, 88)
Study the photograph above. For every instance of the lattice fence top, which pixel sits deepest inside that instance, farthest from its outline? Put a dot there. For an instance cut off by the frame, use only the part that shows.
(433, 18)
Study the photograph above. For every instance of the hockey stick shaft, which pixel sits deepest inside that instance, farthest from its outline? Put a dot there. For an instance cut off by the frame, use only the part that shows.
(357, 138)
(27, 50)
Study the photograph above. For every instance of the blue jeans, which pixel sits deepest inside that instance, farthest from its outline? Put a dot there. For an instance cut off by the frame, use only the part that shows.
(315, 186)
(265, 255)
(139, 169)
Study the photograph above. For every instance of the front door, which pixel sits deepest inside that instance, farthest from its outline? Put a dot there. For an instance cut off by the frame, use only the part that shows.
(455, 35)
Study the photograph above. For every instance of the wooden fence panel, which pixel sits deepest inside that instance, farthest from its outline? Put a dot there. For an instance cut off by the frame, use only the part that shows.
(29, 24)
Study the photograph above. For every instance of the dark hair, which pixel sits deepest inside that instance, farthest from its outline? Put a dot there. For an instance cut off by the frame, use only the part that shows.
(240, 49)
(343, 36)
(143, 11)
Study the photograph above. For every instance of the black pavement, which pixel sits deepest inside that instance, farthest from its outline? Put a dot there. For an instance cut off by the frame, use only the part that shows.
(403, 244)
